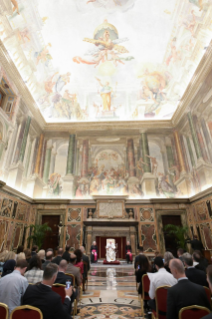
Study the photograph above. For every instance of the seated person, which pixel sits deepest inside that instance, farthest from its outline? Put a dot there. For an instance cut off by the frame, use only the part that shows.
(143, 268)
(8, 267)
(180, 253)
(128, 250)
(62, 278)
(86, 260)
(34, 250)
(34, 273)
(58, 259)
(158, 279)
(13, 286)
(28, 255)
(167, 257)
(49, 257)
(195, 275)
(45, 299)
(94, 253)
(42, 254)
(209, 279)
(200, 261)
(185, 293)
(71, 269)
(79, 262)
(66, 254)
(110, 251)
(141, 251)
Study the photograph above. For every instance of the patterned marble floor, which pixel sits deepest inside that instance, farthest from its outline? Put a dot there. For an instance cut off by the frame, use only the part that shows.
(111, 293)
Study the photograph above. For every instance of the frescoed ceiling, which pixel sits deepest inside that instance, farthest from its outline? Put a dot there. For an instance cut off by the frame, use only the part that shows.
(106, 60)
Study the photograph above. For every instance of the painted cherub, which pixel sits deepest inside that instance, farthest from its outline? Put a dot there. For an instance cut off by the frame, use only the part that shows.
(15, 6)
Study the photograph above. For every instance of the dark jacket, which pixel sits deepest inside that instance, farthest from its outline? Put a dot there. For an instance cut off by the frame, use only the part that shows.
(48, 301)
(57, 260)
(62, 278)
(185, 293)
(197, 276)
(45, 264)
(86, 259)
(203, 264)
(196, 244)
(139, 274)
(66, 256)
(208, 316)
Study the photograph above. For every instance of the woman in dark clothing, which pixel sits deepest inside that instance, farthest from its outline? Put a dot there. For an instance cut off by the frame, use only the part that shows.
(8, 267)
(143, 267)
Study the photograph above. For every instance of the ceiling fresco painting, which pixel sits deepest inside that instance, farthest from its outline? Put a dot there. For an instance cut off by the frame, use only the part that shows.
(105, 60)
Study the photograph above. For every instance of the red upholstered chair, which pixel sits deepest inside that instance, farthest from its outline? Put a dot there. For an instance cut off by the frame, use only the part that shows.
(59, 289)
(145, 291)
(26, 312)
(4, 311)
(193, 312)
(72, 277)
(161, 302)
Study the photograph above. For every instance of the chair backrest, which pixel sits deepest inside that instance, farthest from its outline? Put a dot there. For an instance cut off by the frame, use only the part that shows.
(110, 240)
(208, 293)
(4, 311)
(72, 277)
(193, 312)
(59, 289)
(145, 287)
(26, 312)
(161, 301)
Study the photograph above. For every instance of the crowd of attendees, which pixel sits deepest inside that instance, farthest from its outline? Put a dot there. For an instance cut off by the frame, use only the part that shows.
(186, 274)
(28, 276)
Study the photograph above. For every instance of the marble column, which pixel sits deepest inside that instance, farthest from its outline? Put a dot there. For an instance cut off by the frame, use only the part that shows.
(148, 180)
(53, 160)
(85, 155)
(24, 141)
(184, 154)
(190, 151)
(200, 139)
(43, 159)
(39, 154)
(179, 152)
(131, 157)
(207, 138)
(132, 239)
(70, 158)
(194, 136)
(145, 151)
(19, 142)
(170, 156)
(68, 179)
(47, 163)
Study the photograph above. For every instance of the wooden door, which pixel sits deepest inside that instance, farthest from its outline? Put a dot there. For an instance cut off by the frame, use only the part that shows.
(52, 237)
(170, 240)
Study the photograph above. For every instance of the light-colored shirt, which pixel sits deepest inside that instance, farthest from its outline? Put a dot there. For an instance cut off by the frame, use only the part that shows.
(158, 279)
(12, 288)
(183, 278)
(34, 275)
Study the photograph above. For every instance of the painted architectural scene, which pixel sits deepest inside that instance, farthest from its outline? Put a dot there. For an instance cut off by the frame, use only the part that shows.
(112, 71)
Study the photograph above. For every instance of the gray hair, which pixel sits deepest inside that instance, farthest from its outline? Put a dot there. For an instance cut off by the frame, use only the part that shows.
(167, 257)
(187, 258)
(50, 270)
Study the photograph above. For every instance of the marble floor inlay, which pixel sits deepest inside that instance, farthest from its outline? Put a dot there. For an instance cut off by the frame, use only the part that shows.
(111, 293)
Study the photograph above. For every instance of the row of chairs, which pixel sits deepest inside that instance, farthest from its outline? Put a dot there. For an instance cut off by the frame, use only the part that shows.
(21, 312)
(25, 312)
(194, 312)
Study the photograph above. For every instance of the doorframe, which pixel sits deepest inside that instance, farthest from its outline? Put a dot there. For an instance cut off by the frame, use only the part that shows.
(61, 213)
(159, 214)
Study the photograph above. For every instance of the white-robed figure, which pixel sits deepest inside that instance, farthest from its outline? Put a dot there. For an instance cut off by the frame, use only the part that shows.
(110, 250)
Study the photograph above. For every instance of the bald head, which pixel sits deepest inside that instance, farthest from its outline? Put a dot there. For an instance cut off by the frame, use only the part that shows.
(63, 265)
(177, 268)
(82, 249)
(49, 255)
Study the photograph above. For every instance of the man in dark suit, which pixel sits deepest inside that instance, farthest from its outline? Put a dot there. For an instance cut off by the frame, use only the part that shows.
(185, 293)
(195, 275)
(141, 251)
(180, 253)
(196, 244)
(58, 259)
(49, 256)
(48, 301)
(209, 279)
(62, 278)
(66, 254)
